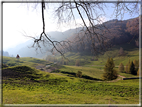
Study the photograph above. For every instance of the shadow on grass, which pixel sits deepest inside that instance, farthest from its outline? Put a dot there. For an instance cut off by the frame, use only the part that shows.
(72, 74)
(90, 78)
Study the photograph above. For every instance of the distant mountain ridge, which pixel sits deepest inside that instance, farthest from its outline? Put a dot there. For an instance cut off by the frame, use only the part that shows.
(26, 50)
(121, 31)
(5, 53)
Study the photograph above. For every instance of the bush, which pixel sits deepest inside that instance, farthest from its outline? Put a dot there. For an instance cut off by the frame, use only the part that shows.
(110, 73)
(79, 74)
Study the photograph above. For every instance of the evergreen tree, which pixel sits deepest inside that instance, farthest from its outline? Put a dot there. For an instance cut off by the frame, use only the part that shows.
(109, 73)
(132, 68)
(121, 67)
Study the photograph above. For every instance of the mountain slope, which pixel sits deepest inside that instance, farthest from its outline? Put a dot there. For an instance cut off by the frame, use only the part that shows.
(121, 32)
(26, 49)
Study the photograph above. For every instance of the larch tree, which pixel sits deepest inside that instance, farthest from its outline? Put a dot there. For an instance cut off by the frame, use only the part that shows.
(126, 69)
(121, 67)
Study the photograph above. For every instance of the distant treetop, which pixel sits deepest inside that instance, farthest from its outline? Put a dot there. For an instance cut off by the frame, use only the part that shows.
(17, 56)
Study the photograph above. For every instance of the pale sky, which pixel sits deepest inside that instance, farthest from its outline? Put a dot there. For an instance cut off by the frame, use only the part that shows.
(18, 19)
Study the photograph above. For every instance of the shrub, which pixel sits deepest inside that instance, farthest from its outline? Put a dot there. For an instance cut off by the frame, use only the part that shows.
(79, 74)
(109, 73)
(121, 67)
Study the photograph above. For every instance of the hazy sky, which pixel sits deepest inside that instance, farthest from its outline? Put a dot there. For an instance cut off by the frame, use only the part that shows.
(19, 19)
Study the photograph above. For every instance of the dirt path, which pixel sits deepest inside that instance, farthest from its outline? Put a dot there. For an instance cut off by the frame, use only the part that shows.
(121, 76)
(117, 79)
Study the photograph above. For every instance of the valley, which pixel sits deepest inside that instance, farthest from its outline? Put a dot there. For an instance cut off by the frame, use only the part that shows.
(36, 81)
(79, 78)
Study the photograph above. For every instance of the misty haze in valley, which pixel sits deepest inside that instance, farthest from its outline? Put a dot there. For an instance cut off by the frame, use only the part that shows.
(120, 33)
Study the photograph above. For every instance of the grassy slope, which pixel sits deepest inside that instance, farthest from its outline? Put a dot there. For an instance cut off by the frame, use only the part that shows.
(59, 88)
(92, 72)
(72, 92)
(47, 88)
(11, 61)
(131, 53)
(84, 57)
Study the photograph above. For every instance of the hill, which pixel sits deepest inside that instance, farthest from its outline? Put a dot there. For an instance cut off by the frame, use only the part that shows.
(125, 31)
(85, 58)
(119, 32)
(24, 84)
(32, 62)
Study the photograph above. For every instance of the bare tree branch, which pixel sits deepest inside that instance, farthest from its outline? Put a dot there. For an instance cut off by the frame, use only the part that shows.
(94, 32)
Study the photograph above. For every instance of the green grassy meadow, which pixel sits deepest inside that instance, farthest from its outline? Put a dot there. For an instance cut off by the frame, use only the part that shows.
(11, 61)
(24, 84)
(69, 92)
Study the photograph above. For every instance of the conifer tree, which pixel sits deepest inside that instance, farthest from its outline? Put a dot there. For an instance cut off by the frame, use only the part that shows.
(121, 67)
(132, 68)
(109, 73)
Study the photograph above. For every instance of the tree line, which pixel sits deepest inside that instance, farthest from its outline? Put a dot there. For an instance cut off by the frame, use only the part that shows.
(132, 67)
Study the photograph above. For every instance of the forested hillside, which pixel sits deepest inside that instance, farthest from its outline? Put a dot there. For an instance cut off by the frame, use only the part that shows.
(117, 33)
